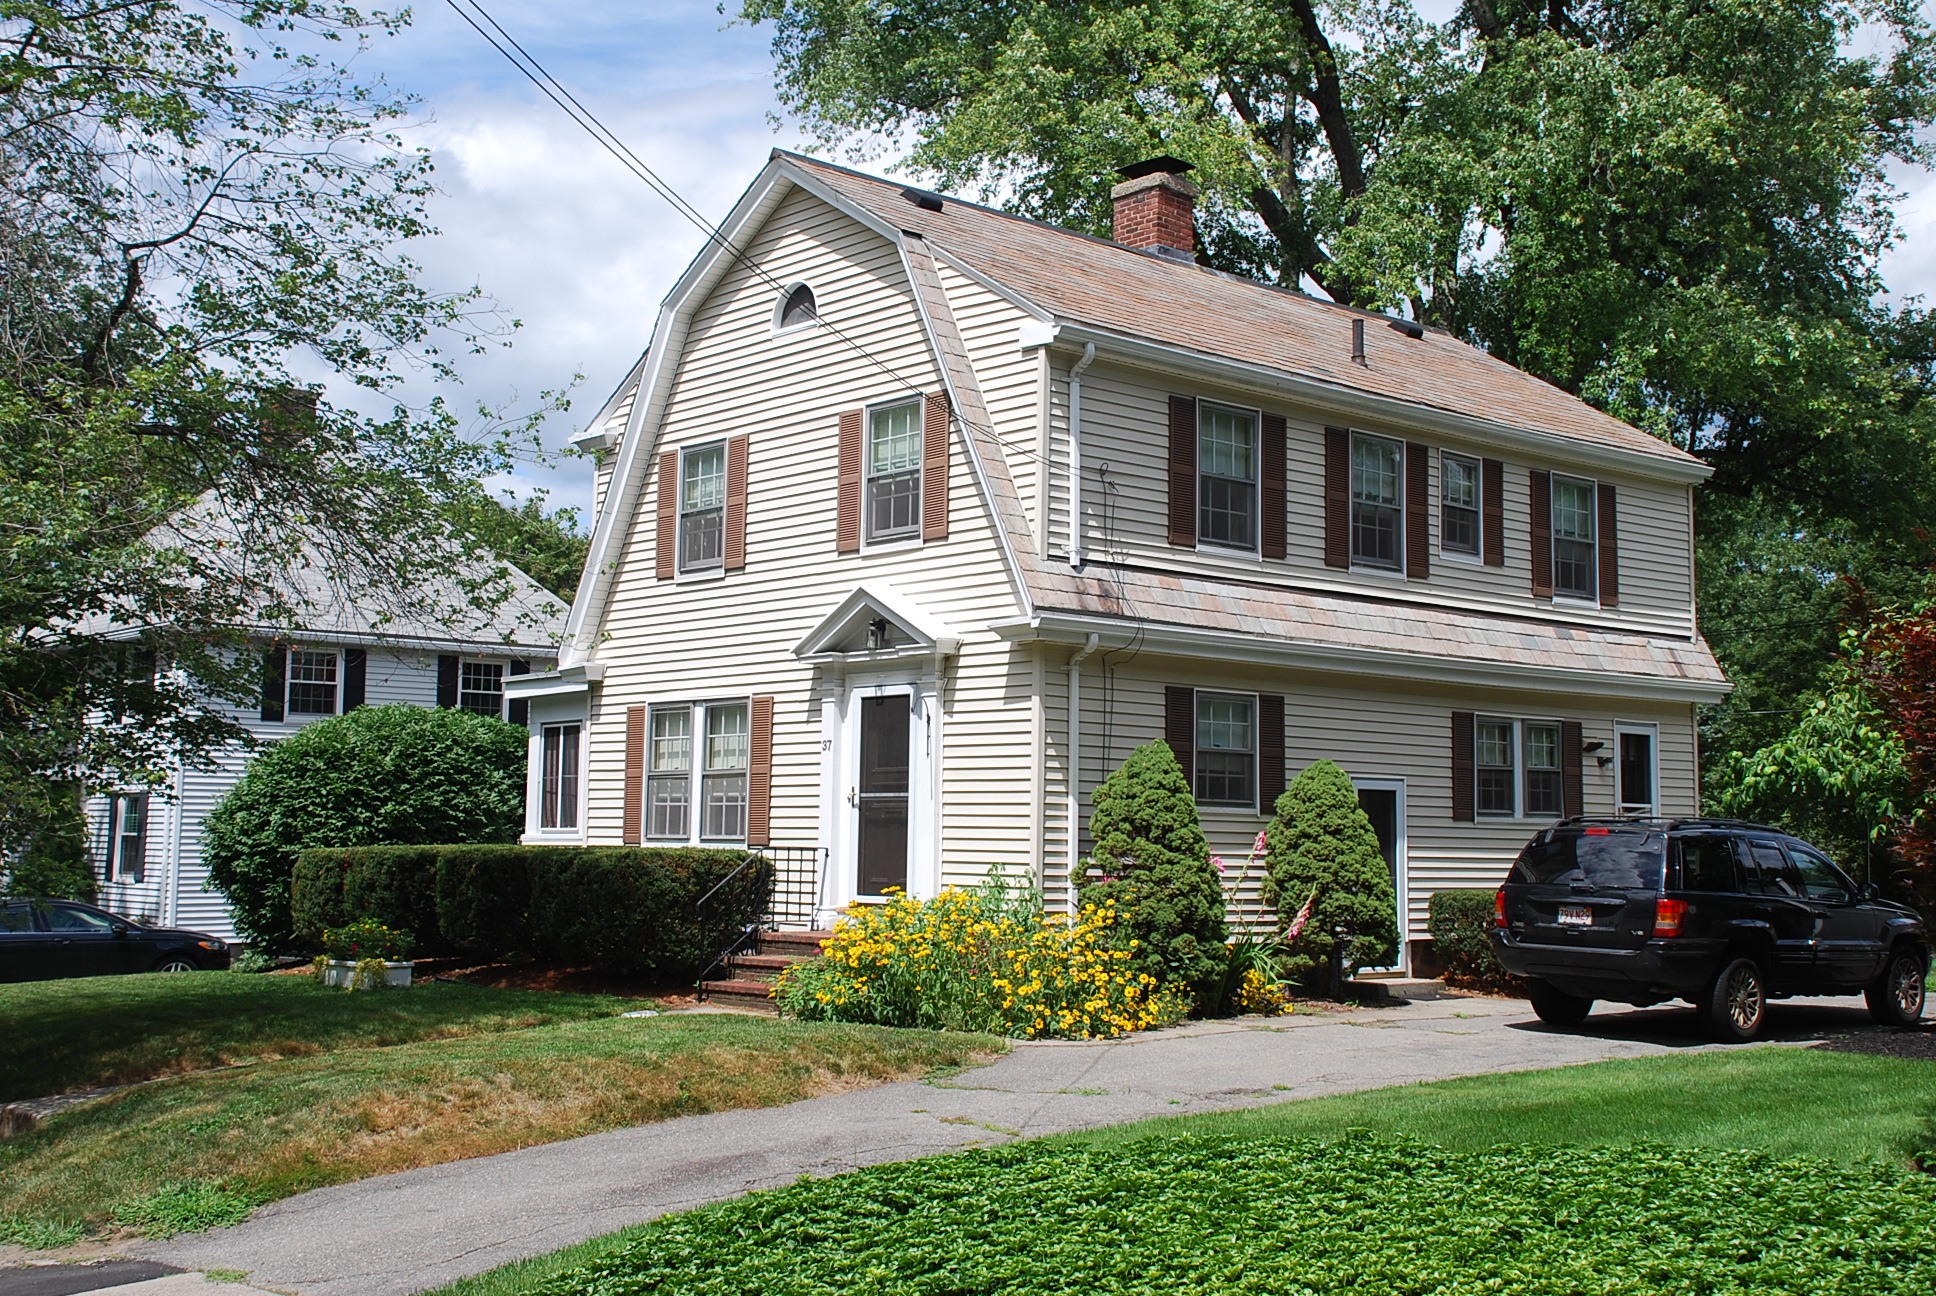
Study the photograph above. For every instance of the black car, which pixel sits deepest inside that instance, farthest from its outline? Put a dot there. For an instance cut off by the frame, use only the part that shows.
(42, 940)
(1725, 915)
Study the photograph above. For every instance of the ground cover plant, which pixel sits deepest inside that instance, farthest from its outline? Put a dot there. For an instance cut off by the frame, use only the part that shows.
(1208, 1213)
(93, 1031)
(191, 1146)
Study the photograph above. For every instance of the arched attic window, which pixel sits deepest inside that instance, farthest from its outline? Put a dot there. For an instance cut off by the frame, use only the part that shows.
(797, 309)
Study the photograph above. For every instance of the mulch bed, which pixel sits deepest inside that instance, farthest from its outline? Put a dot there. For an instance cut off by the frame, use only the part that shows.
(552, 976)
(1919, 1043)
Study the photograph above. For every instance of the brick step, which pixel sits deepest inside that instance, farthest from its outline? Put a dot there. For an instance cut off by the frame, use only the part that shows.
(739, 994)
(761, 967)
(800, 944)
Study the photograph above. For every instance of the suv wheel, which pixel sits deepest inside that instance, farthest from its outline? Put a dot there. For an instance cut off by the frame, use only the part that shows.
(1556, 1007)
(1896, 997)
(1736, 1005)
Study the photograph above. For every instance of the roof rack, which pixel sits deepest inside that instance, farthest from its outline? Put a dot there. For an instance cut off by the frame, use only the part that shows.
(1665, 822)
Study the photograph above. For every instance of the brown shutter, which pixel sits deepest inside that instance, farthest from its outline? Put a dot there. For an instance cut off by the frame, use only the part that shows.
(1272, 508)
(847, 526)
(275, 676)
(934, 467)
(1270, 751)
(1542, 489)
(1337, 497)
(736, 453)
(1572, 795)
(1608, 538)
(447, 677)
(668, 515)
(1492, 497)
(356, 678)
(1418, 511)
(759, 775)
(634, 822)
(1464, 790)
(1180, 730)
(1183, 471)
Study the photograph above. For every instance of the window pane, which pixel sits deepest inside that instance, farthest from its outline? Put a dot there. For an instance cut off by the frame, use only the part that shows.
(1226, 442)
(799, 308)
(1224, 748)
(668, 792)
(1460, 481)
(558, 795)
(1542, 747)
(1495, 767)
(704, 485)
(1226, 507)
(726, 737)
(671, 739)
(893, 506)
(1574, 569)
(312, 683)
(668, 798)
(1458, 504)
(481, 687)
(894, 440)
(1375, 512)
(725, 796)
(1374, 471)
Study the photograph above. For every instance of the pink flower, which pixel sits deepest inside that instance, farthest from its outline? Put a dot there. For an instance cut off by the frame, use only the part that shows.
(1303, 916)
(1218, 861)
(1260, 846)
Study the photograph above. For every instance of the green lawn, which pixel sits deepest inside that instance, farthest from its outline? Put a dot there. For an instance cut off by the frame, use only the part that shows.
(92, 1031)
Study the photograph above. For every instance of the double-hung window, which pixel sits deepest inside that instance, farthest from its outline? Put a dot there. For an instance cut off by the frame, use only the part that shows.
(893, 507)
(480, 687)
(1227, 477)
(1226, 754)
(558, 792)
(1497, 771)
(1574, 563)
(1540, 742)
(717, 762)
(1458, 505)
(702, 507)
(312, 681)
(1377, 502)
(128, 842)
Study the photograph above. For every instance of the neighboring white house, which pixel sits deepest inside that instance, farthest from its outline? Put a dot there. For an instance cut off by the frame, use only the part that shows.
(146, 846)
(916, 518)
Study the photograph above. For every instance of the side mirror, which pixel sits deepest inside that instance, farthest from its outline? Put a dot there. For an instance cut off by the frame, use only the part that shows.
(119, 929)
(1870, 891)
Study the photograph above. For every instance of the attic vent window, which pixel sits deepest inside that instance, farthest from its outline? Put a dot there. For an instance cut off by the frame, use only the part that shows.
(797, 309)
(923, 199)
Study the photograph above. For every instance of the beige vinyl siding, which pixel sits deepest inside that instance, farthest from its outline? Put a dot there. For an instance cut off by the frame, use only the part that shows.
(1010, 378)
(734, 636)
(1125, 431)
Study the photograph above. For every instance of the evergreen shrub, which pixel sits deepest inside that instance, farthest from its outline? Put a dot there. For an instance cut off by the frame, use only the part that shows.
(1152, 868)
(1322, 852)
(1461, 926)
(379, 776)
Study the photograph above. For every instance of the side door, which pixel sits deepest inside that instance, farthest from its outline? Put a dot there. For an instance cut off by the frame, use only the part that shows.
(24, 947)
(1783, 899)
(1849, 943)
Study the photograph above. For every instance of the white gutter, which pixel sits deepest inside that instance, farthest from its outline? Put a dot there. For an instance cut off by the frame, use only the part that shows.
(1075, 453)
(1075, 763)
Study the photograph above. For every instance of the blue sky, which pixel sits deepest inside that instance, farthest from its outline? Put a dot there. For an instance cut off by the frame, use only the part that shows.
(577, 249)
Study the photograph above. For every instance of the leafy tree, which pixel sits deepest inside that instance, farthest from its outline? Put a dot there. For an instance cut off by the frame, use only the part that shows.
(55, 861)
(547, 547)
(1155, 869)
(379, 776)
(1325, 868)
(197, 205)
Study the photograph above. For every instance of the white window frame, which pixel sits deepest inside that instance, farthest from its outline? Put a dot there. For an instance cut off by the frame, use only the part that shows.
(503, 673)
(1256, 418)
(778, 324)
(289, 682)
(912, 534)
(1553, 537)
(1477, 552)
(1397, 566)
(1526, 768)
(1652, 731)
(1197, 748)
(556, 805)
(1513, 781)
(699, 713)
(717, 565)
(118, 804)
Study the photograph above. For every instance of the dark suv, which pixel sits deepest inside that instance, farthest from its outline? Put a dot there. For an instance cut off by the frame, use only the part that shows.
(1722, 914)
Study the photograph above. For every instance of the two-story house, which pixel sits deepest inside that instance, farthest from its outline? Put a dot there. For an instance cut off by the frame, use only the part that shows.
(916, 517)
(348, 652)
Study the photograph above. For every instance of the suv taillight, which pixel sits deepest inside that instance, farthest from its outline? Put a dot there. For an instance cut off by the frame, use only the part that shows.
(1667, 918)
(1499, 908)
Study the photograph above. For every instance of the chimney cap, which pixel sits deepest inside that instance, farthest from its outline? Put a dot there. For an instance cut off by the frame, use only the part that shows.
(1164, 165)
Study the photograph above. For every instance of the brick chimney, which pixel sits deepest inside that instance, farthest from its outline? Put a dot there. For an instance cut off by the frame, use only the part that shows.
(1156, 208)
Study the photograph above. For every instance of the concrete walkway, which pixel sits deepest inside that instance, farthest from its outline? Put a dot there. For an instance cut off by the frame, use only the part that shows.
(420, 1229)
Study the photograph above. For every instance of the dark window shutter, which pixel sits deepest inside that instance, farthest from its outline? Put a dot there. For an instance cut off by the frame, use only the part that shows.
(735, 540)
(518, 710)
(759, 774)
(1183, 471)
(1464, 778)
(1270, 751)
(668, 534)
(1180, 729)
(1542, 490)
(1418, 511)
(1337, 497)
(1572, 794)
(1273, 510)
(446, 681)
(847, 521)
(1492, 488)
(934, 467)
(356, 677)
(1608, 540)
(632, 827)
(275, 674)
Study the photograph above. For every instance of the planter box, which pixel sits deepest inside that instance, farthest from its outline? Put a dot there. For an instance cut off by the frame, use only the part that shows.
(341, 972)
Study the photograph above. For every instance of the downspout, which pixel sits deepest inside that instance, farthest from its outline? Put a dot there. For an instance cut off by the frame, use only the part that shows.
(1075, 459)
(1075, 749)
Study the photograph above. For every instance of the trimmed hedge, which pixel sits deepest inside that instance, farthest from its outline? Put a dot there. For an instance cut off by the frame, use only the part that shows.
(635, 908)
(1461, 926)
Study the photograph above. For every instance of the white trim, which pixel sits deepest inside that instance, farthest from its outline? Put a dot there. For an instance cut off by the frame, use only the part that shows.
(1652, 731)
(922, 684)
(555, 709)
(776, 328)
(1478, 555)
(1564, 598)
(911, 536)
(1256, 754)
(697, 709)
(566, 681)
(1400, 846)
(931, 635)
(1256, 549)
(594, 438)
(1402, 569)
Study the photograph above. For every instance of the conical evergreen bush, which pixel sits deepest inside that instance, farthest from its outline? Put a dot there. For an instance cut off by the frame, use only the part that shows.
(1154, 868)
(1323, 851)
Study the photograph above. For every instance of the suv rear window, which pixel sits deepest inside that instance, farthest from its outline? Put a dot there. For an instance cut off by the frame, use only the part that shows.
(1607, 857)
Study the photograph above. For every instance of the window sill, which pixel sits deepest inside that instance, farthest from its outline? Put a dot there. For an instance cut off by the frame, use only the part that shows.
(1378, 573)
(699, 577)
(1576, 603)
(899, 544)
(1463, 559)
(1229, 551)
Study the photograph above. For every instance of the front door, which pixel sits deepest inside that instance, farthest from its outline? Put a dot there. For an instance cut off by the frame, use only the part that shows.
(882, 793)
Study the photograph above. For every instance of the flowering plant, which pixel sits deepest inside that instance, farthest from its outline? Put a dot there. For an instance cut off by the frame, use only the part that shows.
(366, 938)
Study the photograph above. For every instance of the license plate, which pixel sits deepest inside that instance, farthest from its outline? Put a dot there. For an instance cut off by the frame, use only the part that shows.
(1576, 916)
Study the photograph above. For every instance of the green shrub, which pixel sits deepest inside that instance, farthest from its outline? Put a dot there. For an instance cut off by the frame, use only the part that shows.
(1322, 852)
(395, 885)
(389, 775)
(1156, 873)
(484, 898)
(1461, 926)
